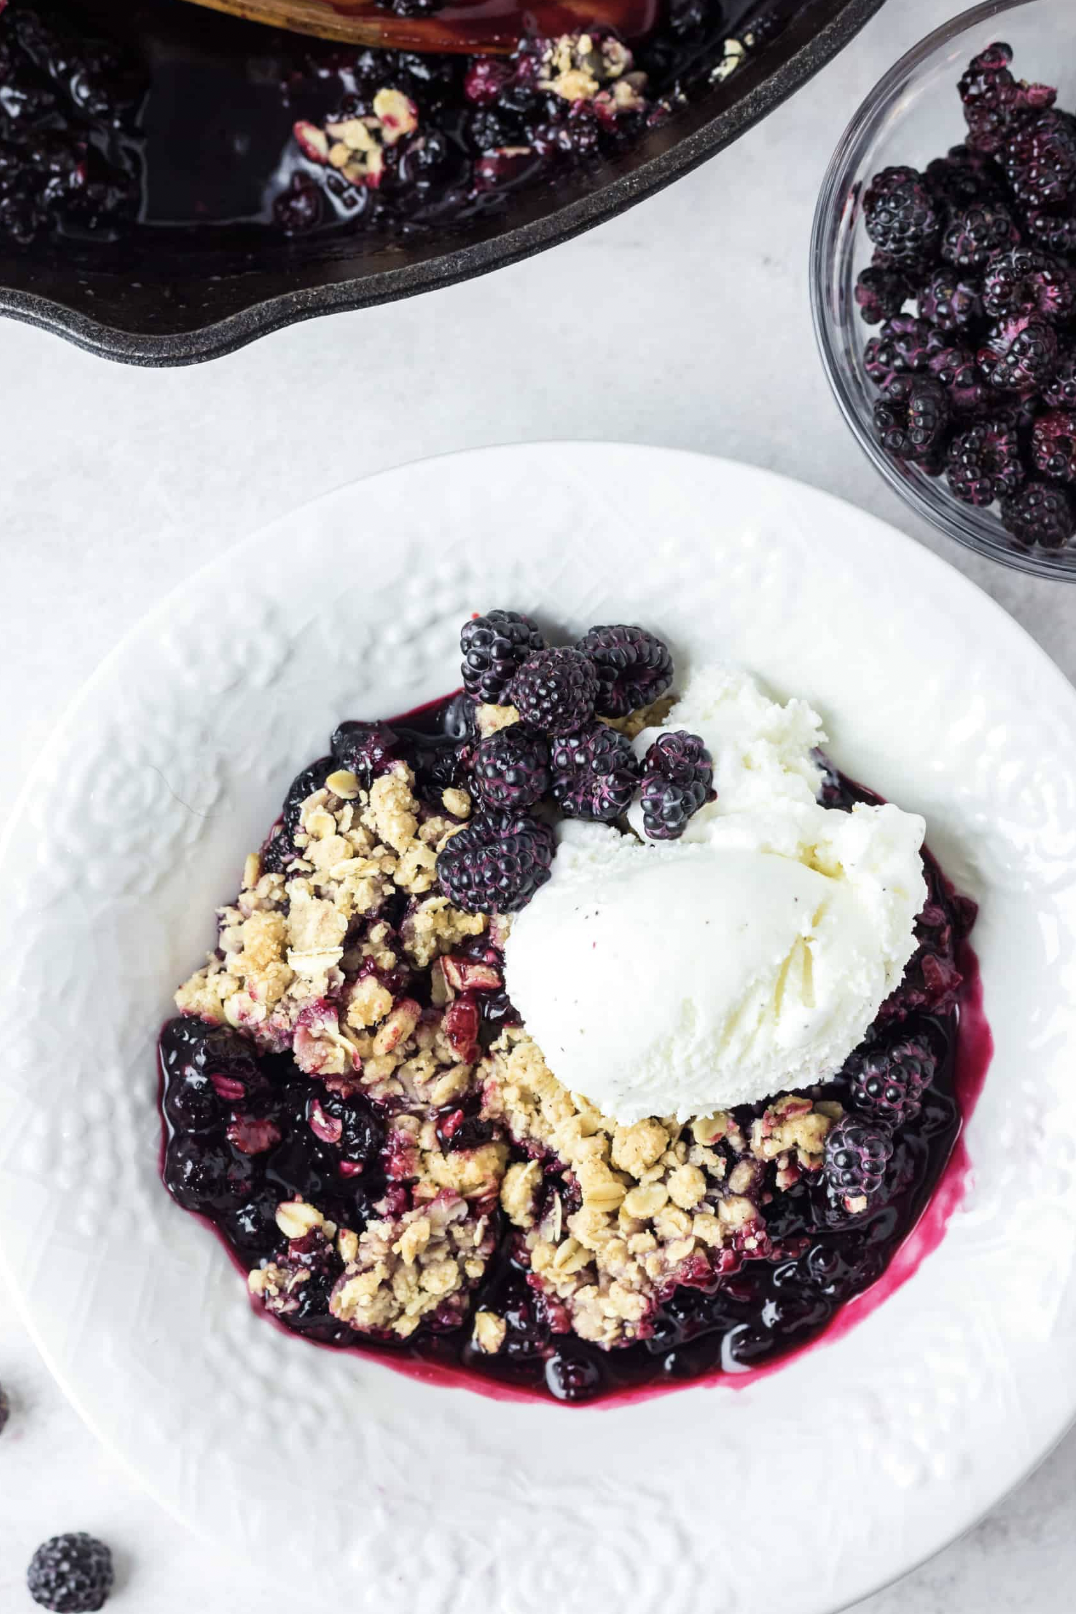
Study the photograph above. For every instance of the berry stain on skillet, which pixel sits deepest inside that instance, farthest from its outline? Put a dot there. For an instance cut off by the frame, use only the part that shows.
(352, 1103)
(978, 387)
(104, 127)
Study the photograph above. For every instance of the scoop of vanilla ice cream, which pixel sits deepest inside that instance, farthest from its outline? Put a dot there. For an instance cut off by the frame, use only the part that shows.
(749, 957)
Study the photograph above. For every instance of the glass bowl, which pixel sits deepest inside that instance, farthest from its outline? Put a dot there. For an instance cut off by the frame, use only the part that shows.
(912, 115)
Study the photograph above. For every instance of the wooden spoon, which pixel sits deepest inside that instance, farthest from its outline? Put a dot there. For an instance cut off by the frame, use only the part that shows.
(461, 26)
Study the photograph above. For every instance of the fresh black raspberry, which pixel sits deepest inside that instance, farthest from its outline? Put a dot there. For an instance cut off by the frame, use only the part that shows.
(879, 361)
(595, 773)
(976, 233)
(634, 667)
(556, 690)
(994, 100)
(881, 292)
(71, 1574)
(678, 777)
(962, 177)
(950, 300)
(984, 462)
(1053, 445)
(488, 131)
(1060, 391)
(887, 1083)
(1018, 410)
(365, 749)
(900, 215)
(1025, 282)
(497, 863)
(911, 417)
(956, 369)
(494, 647)
(511, 769)
(1039, 514)
(902, 347)
(1019, 355)
(911, 342)
(1054, 232)
(1039, 159)
(985, 89)
(856, 1157)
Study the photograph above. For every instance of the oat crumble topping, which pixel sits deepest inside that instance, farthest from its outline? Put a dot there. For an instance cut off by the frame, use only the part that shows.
(406, 1268)
(299, 955)
(646, 717)
(644, 1208)
(610, 1219)
(355, 147)
(491, 719)
(582, 67)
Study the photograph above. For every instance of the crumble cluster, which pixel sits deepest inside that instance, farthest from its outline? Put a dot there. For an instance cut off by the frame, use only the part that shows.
(647, 717)
(305, 961)
(355, 146)
(595, 69)
(491, 719)
(399, 1271)
(303, 955)
(629, 1213)
(609, 1219)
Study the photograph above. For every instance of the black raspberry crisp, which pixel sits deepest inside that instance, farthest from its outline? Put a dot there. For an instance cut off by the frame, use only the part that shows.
(351, 1100)
(104, 130)
(983, 242)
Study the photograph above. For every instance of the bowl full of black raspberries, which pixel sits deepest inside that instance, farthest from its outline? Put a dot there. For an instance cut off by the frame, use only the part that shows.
(944, 281)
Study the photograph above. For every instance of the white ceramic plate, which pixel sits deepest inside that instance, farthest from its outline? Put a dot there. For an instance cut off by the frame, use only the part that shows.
(800, 1492)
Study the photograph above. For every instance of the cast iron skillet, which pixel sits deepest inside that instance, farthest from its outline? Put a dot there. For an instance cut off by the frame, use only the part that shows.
(181, 304)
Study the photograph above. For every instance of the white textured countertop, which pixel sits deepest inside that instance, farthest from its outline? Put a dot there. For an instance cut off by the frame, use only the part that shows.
(686, 322)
